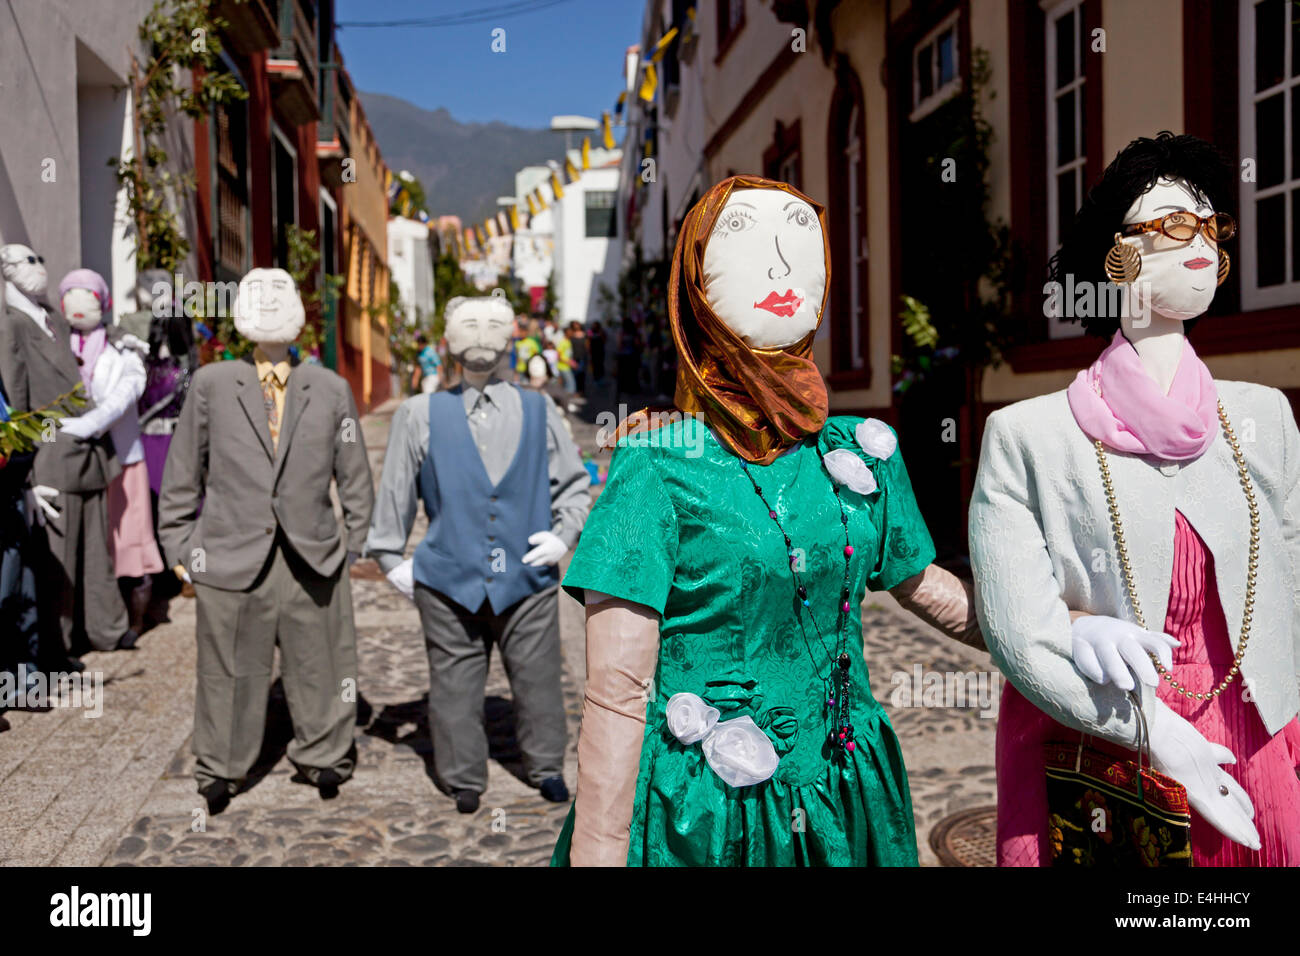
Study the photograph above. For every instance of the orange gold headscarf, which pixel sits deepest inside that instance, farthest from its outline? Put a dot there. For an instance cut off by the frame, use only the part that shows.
(758, 401)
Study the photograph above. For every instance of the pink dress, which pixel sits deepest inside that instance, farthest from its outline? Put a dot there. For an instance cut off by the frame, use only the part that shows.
(1266, 766)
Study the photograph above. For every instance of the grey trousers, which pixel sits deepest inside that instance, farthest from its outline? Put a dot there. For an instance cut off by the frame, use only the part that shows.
(78, 581)
(459, 643)
(310, 617)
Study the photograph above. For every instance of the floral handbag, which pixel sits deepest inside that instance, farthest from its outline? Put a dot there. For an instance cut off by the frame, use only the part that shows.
(1110, 811)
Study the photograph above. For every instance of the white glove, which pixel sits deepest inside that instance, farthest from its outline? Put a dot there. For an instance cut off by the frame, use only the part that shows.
(1179, 750)
(41, 496)
(549, 549)
(1105, 648)
(402, 577)
(81, 425)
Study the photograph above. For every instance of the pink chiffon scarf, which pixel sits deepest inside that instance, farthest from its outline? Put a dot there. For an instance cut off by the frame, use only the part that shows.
(1115, 400)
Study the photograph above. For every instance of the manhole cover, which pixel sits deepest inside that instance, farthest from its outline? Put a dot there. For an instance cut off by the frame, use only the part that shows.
(968, 838)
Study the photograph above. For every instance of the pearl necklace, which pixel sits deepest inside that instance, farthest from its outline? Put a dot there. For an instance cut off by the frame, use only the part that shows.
(836, 683)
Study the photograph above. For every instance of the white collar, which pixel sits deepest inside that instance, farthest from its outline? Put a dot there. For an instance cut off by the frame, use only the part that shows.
(15, 297)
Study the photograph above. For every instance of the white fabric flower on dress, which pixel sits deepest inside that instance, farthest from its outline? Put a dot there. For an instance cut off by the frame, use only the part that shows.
(690, 718)
(740, 753)
(849, 470)
(737, 750)
(876, 438)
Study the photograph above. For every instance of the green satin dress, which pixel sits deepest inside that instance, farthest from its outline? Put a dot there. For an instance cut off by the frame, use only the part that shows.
(680, 529)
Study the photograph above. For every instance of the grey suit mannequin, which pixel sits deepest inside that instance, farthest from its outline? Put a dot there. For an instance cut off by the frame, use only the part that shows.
(250, 519)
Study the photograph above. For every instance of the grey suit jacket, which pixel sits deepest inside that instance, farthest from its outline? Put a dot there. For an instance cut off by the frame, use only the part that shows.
(38, 369)
(1041, 544)
(222, 461)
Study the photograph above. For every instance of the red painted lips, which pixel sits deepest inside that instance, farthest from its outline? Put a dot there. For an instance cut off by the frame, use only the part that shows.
(782, 305)
(1199, 262)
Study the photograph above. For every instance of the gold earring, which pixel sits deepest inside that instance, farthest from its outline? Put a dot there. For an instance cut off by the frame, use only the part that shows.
(1225, 264)
(1123, 263)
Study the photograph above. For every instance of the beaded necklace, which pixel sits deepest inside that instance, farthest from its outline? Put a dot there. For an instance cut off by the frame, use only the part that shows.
(836, 682)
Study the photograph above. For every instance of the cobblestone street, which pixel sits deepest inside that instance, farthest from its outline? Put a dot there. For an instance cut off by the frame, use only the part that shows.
(117, 790)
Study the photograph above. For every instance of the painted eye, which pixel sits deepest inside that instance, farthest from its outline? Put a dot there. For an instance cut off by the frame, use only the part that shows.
(733, 220)
(803, 217)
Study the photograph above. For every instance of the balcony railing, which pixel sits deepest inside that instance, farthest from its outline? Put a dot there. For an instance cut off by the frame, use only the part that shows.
(293, 65)
(251, 25)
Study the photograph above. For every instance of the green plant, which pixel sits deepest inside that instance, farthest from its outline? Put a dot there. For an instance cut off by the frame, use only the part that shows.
(181, 73)
(23, 431)
(304, 257)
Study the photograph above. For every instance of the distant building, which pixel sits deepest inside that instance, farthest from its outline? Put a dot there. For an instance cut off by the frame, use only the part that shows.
(588, 245)
(411, 246)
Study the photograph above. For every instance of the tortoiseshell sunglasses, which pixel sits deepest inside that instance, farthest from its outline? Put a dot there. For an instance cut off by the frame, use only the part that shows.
(1182, 226)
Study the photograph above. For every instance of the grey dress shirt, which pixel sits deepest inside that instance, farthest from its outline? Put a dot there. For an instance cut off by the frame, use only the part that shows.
(495, 417)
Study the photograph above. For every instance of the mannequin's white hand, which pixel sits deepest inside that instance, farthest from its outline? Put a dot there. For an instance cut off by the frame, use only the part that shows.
(1105, 649)
(548, 549)
(78, 427)
(42, 495)
(1179, 750)
(402, 578)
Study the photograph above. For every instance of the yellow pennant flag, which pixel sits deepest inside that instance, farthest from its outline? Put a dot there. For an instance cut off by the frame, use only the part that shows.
(556, 189)
(541, 198)
(606, 131)
(586, 152)
(662, 46)
(571, 170)
(514, 218)
(469, 239)
(532, 206)
(649, 82)
(491, 225)
(482, 239)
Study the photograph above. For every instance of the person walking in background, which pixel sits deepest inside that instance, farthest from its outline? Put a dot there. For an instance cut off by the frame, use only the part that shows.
(428, 365)
(596, 347)
(564, 362)
(526, 347)
(578, 345)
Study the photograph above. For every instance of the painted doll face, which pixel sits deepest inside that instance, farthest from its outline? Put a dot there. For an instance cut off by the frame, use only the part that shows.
(269, 308)
(479, 330)
(82, 309)
(24, 270)
(1178, 278)
(765, 267)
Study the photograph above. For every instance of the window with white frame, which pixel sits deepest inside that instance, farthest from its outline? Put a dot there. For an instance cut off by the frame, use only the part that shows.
(1066, 153)
(936, 72)
(1270, 145)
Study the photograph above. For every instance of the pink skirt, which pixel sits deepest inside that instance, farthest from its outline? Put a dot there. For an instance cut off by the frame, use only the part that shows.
(1266, 764)
(130, 524)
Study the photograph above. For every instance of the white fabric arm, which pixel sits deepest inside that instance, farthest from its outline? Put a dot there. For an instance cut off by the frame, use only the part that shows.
(1025, 621)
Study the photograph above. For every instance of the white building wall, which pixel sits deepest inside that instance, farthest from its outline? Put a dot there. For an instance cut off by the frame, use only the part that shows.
(62, 64)
(583, 263)
(411, 264)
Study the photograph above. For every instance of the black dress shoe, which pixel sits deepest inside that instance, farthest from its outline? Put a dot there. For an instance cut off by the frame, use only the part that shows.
(554, 790)
(127, 641)
(217, 795)
(466, 801)
(327, 782)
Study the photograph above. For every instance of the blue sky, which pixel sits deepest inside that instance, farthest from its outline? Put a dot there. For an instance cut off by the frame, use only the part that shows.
(565, 58)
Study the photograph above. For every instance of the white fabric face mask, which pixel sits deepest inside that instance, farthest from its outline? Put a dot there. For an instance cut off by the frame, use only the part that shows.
(268, 308)
(24, 270)
(478, 330)
(1178, 279)
(81, 309)
(764, 269)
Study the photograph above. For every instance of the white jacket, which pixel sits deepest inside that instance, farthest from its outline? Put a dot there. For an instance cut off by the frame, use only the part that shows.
(116, 385)
(1041, 545)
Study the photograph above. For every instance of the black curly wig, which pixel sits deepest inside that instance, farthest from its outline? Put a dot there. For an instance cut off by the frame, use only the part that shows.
(1131, 174)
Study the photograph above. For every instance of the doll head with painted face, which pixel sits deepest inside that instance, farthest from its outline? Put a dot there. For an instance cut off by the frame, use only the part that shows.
(268, 309)
(1154, 187)
(764, 268)
(478, 330)
(84, 298)
(24, 270)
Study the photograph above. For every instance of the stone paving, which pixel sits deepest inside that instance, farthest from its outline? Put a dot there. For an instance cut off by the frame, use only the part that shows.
(117, 789)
